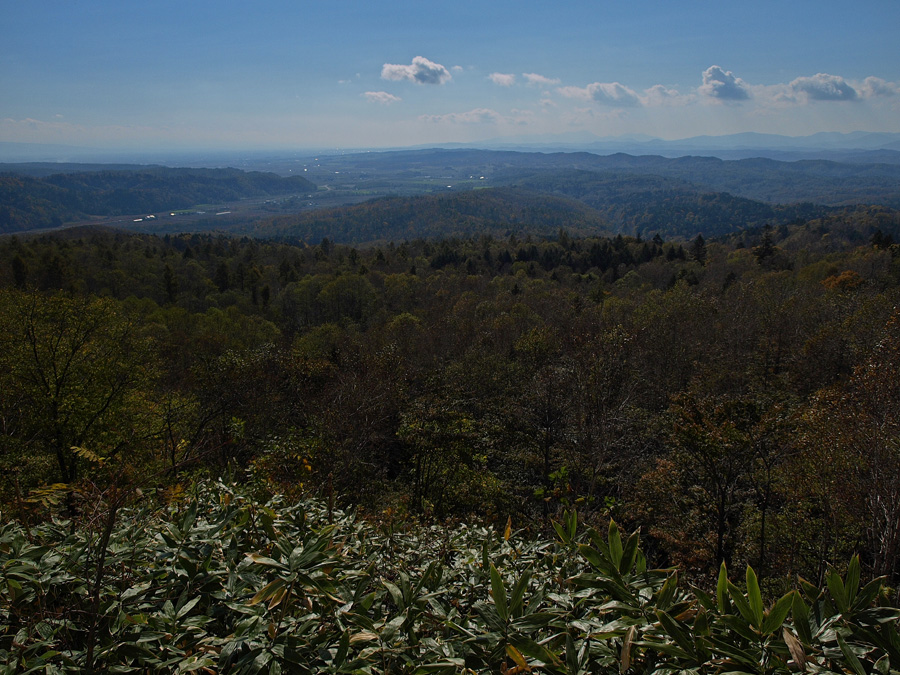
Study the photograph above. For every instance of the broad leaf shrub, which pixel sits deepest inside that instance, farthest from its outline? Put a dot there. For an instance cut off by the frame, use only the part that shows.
(222, 584)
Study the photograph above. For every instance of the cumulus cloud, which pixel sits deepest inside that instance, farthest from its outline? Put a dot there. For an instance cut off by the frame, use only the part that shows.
(875, 86)
(825, 87)
(580, 93)
(606, 93)
(420, 71)
(723, 85)
(382, 97)
(658, 95)
(539, 80)
(614, 94)
(502, 79)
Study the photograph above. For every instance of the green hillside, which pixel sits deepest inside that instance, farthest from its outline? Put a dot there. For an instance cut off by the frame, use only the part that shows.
(34, 203)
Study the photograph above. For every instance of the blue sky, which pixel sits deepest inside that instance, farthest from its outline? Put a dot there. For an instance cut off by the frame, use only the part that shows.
(169, 74)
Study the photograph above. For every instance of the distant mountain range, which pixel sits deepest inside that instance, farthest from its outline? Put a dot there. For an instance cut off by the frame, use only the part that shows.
(441, 192)
(775, 182)
(856, 147)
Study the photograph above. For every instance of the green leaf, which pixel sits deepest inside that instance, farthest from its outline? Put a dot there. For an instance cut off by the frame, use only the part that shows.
(851, 657)
(700, 629)
(498, 590)
(809, 590)
(705, 599)
(737, 596)
(837, 590)
(600, 545)
(778, 614)
(630, 553)
(754, 597)
(678, 632)
(533, 622)
(877, 615)
(343, 648)
(571, 518)
(263, 560)
(396, 595)
(267, 591)
(595, 558)
(561, 533)
(615, 544)
(722, 589)
(391, 627)
(868, 593)
(801, 619)
(517, 657)
(851, 584)
(518, 594)
(183, 610)
(193, 663)
(571, 655)
(667, 592)
(625, 658)
(536, 651)
(728, 648)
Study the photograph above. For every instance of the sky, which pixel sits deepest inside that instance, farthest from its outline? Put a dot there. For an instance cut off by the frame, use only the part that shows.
(233, 74)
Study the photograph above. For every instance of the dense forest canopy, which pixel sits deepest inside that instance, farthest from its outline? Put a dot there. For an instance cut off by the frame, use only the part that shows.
(480, 375)
(733, 397)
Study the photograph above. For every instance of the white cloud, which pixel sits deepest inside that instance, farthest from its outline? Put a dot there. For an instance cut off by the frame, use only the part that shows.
(723, 85)
(476, 116)
(482, 116)
(825, 87)
(875, 86)
(420, 71)
(589, 116)
(539, 80)
(382, 97)
(502, 79)
(580, 93)
(521, 117)
(658, 95)
(607, 93)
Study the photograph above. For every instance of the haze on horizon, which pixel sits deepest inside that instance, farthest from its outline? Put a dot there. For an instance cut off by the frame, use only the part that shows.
(203, 74)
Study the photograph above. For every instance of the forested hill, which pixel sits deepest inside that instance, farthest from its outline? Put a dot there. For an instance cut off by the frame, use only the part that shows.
(489, 211)
(30, 203)
(582, 202)
(776, 182)
(648, 204)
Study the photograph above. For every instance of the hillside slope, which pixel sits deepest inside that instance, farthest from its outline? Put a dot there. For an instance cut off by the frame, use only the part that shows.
(33, 203)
